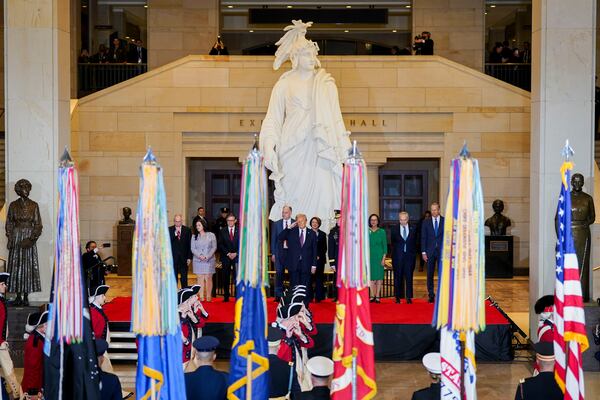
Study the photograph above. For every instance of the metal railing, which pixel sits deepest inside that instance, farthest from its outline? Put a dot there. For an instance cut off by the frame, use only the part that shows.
(515, 74)
(94, 77)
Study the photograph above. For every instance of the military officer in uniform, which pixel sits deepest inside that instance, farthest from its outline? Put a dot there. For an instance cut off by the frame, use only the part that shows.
(432, 363)
(321, 371)
(333, 245)
(206, 383)
(110, 386)
(279, 370)
(543, 386)
(221, 222)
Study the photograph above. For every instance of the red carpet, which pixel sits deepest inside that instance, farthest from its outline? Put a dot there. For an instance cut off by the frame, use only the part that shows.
(388, 312)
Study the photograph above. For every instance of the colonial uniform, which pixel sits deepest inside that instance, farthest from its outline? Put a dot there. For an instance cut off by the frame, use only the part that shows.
(6, 364)
(98, 316)
(110, 386)
(33, 360)
(188, 320)
(543, 386)
(206, 383)
(432, 363)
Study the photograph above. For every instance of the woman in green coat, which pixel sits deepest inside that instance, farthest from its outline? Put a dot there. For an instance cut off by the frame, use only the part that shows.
(378, 247)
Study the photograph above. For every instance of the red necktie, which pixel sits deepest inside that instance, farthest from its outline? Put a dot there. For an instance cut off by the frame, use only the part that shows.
(302, 238)
(178, 234)
(231, 234)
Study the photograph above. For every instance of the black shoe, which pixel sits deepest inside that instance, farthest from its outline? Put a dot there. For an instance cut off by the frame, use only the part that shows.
(277, 299)
(25, 302)
(226, 300)
(128, 396)
(431, 299)
(397, 300)
(408, 301)
(335, 299)
(372, 300)
(377, 300)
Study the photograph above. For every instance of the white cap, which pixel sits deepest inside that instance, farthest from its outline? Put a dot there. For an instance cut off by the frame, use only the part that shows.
(432, 362)
(319, 366)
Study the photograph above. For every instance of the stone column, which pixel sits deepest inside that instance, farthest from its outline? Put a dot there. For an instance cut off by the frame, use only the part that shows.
(456, 26)
(177, 28)
(562, 101)
(373, 182)
(37, 82)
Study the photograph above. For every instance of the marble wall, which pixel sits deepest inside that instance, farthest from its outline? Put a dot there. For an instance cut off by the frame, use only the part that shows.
(456, 26)
(177, 28)
(200, 106)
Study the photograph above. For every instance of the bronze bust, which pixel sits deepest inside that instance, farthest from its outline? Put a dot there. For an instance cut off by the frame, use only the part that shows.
(23, 228)
(127, 217)
(582, 216)
(498, 223)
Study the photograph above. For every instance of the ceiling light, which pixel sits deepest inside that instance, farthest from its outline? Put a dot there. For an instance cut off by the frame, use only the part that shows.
(84, 6)
(394, 31)
(250, 31)
(346, 31)
(229, 6)
(289, 6)
(348, 6)
(485, 13)
(408, 6)
(493, 6)
(145, 5)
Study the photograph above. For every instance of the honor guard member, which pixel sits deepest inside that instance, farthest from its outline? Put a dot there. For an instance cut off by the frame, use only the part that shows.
(321, 370)
(33, 359)
(206, 383)
(110, 386)
(542, 386)
(221, 222)
(333, 245)
(279, 370)
(6, 364)
(98, 317)
(186, 313)
(432, 363)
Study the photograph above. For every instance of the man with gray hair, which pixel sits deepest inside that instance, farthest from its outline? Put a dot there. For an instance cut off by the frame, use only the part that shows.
(404, 254)
(181, 240)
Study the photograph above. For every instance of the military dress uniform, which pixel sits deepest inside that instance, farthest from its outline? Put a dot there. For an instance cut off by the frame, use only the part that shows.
(430, 393)
(33, 360)
(110, 386)
(333, 246)
(432, 363)
(206, 383)
(543, 386)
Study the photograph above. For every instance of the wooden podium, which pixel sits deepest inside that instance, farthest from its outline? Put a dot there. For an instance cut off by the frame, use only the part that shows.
(124, 248)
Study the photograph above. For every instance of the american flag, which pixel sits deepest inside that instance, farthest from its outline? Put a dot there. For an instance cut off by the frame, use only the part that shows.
(570, 339)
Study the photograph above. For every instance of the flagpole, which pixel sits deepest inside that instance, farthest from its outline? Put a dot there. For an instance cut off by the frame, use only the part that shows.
(354, 353)
(249, 376)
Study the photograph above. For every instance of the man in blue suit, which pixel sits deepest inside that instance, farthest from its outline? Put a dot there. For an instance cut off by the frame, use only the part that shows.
(301, 253)
(432, 239)
(278, 248)
(404, 256)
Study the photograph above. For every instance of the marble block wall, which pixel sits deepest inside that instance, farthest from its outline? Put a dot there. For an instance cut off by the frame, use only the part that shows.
(177, 28)
(456, 26)
(201, 106)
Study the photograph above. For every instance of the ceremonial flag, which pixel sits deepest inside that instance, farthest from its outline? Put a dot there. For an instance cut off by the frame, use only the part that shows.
(353, 356)
(70, 366)
(570, 338)
(154, 316)
(248, 374)
(459, 309)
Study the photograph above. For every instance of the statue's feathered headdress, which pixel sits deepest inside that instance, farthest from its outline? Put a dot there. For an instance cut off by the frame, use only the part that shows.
(293, 41)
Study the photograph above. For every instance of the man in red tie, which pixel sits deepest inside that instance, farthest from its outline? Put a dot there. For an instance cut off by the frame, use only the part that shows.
(229, 242)
(181, 240)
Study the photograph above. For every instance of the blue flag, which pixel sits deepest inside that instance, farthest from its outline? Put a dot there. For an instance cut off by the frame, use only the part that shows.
(249, 338)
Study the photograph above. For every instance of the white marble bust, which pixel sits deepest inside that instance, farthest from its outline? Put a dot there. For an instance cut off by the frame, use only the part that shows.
(303, 137)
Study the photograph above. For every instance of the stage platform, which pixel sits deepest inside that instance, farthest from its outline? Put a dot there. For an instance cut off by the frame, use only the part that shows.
(402, 332)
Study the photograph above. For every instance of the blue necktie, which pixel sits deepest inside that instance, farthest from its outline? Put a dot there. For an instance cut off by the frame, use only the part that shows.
(435, 226)
(404, 236)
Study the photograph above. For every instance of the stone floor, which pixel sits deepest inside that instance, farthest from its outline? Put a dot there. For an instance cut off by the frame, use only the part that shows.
(399, 380)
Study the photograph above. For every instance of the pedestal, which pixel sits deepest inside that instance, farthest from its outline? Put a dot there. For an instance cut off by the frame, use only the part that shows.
(499, 256)
(124, 249)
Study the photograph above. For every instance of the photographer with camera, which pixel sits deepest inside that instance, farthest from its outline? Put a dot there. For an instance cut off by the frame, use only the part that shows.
(94, 267)
(219, 48)
(423, 44)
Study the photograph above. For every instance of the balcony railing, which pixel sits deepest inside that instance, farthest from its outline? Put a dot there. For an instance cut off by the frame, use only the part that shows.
(94, 77)
(515, 74)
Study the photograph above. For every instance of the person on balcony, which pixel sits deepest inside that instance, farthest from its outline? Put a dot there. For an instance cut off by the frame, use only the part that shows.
(117, 52)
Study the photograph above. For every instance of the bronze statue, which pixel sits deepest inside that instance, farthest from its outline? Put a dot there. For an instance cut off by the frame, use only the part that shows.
(23, 228)
(582, 216)
(127, 217)
(498, 222)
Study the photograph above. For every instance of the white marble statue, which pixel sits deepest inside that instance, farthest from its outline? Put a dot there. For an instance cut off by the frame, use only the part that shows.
(303, 138)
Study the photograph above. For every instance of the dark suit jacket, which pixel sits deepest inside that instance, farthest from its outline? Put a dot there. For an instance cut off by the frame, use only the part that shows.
(398, 243)
(430, 393)
(300, 258)
(117, 55)
(321, 247)
(110, 387)
(181, 247)
(276, 246)
(226, 245)
(133, 55)
(333, 245)
(429, 239)
(206, 383)
(427, 48)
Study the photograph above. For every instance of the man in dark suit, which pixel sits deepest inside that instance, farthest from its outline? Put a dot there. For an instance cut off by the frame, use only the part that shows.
(201, 215)
(181, 240)
(206, 383)
(278, 248)
(110, 386)
(427, 44)
(301, 253)
(229, 243)
(404, 255)
(432, 239)
(333, 246)
(138, 53)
